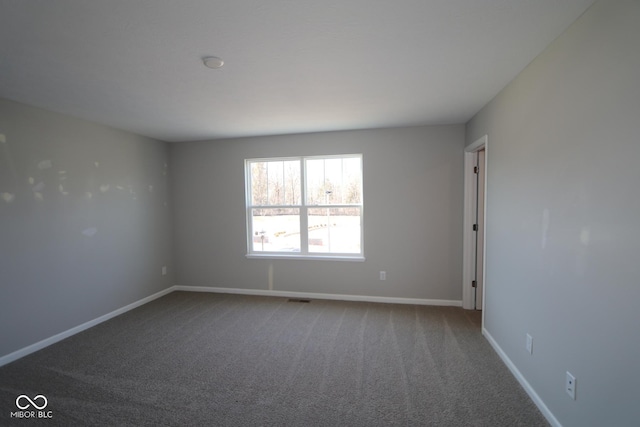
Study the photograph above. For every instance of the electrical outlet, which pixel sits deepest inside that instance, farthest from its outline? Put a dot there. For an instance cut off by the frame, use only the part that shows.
(570, 385)
(164, 270)
(529, 345)
(383, 275)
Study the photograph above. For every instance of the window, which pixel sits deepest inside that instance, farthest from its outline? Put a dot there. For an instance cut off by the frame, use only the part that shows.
(305, 207)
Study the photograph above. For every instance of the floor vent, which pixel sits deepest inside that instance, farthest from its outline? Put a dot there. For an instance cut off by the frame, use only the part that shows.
(299, 300)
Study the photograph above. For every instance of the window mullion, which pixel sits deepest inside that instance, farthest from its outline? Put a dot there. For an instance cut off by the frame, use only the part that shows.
(304, 218)
(304, 230)
(250, 230)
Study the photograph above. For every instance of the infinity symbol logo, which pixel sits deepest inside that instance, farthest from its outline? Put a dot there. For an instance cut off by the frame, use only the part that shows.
(23, 397)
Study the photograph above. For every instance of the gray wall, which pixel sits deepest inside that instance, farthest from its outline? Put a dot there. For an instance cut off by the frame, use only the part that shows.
(52, 276)
(563, 231)
(413, 185)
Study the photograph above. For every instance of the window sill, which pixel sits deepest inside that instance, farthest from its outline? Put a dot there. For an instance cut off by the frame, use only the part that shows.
(357, 258)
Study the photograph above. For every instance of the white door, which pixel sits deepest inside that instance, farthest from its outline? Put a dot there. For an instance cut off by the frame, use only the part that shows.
(480, 230)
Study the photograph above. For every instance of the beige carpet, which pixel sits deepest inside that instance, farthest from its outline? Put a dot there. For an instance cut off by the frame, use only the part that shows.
(214, 359)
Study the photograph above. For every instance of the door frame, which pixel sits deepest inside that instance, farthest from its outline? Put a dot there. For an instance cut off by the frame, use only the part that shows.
(470, 206)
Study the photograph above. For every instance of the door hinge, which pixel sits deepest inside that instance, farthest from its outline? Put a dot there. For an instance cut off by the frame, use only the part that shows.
(474, 284)
(475, 227)
(475, 169)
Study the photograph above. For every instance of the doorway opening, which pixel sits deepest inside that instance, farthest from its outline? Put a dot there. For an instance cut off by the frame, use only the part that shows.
(475, 196)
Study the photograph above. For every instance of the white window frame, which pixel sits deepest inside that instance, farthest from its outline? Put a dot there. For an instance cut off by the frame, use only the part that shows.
(303, 209)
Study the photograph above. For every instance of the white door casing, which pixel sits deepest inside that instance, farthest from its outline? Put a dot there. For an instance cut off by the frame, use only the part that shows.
(469, 235)
(479, 277)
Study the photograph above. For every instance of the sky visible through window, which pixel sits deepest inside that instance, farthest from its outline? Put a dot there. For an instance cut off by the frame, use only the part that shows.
(330, 214)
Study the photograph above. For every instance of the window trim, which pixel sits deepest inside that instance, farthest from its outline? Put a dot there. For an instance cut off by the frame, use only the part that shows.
(303, 208)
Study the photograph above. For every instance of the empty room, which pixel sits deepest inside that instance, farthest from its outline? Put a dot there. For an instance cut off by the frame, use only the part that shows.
(335, 213)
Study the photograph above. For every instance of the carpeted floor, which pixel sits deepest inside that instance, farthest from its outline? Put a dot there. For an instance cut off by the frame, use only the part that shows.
(214, 359)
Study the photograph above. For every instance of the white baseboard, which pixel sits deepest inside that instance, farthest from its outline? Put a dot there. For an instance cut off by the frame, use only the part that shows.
(364, 298)
(523, 382)
(62, 335)
(313, 295)
(66, 334)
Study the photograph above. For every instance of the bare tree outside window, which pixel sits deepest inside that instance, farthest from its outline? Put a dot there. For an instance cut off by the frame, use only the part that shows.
(306, 206)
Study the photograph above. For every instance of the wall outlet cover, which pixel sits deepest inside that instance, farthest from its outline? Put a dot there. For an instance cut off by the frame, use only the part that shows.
(529, 344)
(570, 385)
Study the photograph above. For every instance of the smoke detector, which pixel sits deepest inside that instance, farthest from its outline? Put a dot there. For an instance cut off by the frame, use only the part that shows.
(213, 62)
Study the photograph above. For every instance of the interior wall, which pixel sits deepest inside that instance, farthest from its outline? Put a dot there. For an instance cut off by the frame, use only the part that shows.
(563, 239)
(84, 222)
(413, 194)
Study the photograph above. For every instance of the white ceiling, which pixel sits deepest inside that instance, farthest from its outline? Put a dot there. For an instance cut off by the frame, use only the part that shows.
(291, 66)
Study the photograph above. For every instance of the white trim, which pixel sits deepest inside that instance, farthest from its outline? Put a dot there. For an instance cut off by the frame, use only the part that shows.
(11, 357)
(66, 334)
(523, 382)
(468, 251)
(313, 295)
(69, 332)
(304, 206)
(468, 247)
(477, 145)
(273, 255)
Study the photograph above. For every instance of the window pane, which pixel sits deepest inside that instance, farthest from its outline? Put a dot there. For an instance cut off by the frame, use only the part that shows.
(334, 230)
(275, 183)
(352, 180)
(292, 182)
(258, 183)
(332, 206)
(315, 182)
(275, 230)
(334, 181)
